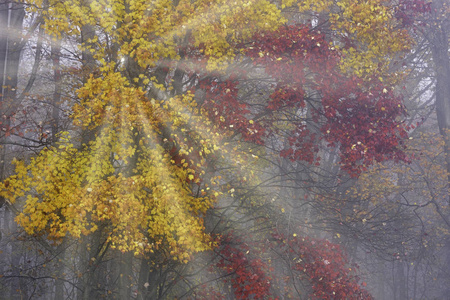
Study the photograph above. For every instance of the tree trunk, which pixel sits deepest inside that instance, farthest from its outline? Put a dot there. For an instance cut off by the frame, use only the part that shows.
(440, 53)
(4, 13)
(11, 19)
(143, 284)
(59, 272)
(56, 55)
(10, 51)
(440, 50)
(91, 280)
(125, 276)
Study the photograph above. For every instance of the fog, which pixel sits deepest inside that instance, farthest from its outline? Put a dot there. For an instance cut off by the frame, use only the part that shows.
(257, 149)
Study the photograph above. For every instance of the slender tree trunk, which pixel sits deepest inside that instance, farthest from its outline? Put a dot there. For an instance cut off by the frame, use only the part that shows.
(4, 14)
(439, 41)
(400, 284)
(394, 282)
(92, 281)
(143, 283)
(11, 19)
(59, 272)
(440, 52)
(415, 282)
(125, 276)
(11, 47)
(150, 279)
(18, 287)
(56, 55)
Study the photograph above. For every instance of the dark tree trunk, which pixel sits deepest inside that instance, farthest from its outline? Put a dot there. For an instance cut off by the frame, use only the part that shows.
(11, 19)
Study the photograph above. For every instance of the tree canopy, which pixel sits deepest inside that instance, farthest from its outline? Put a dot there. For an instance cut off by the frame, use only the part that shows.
(179, 110)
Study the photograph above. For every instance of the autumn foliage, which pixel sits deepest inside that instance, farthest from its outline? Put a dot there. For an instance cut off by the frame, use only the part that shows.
(325, 266)
(363, 118)
(248, 272)
(247, 269)
(160, 113)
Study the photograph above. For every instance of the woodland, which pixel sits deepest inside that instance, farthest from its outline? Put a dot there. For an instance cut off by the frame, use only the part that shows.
(219, 149)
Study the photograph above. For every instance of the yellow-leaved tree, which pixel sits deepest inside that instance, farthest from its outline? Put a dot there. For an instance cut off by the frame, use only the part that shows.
(147, 145)
(133, 169)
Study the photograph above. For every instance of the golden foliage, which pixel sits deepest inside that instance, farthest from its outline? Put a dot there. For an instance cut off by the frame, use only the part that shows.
(365, 31)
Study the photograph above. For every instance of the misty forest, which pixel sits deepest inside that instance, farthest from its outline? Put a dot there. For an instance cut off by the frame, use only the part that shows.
(220, 149)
